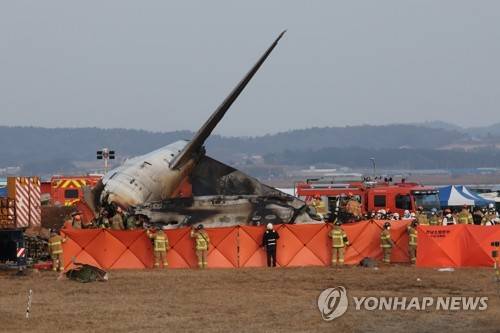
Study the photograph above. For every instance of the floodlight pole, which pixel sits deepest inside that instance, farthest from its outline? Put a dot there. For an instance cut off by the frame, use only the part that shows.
(374, 167)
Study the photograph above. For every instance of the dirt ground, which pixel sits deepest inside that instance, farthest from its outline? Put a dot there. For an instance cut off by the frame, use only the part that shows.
(242, 300)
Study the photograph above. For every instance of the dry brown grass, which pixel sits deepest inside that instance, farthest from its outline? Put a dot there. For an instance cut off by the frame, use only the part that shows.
(241, 300)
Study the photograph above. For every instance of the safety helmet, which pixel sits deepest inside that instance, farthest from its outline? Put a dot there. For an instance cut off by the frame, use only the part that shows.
(491, 205)
(200, 226)
(396, 216)
(269, 226)
(338, 224)
(387, 225)
(407, 212)
(413, 214)
(434, 210)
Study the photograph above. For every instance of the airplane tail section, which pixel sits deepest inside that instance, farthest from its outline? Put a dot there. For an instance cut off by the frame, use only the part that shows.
(204, 132)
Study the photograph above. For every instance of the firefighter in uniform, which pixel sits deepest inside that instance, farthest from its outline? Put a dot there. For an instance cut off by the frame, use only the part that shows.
(434, 219)
(421, 216)
(464, 216)
(269, 242)
(448, 218)
(76, 222)
(202, 241)
(160, 247)
(117, 220)
(353, 207)
(339, 243)
(490, 217)
(319, 206)
(386, 243)
(56, 251)
(412, 241)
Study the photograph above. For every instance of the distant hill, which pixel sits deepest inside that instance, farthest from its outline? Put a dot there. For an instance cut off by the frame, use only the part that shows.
(389, 158)
(40, 150)
(478, 131)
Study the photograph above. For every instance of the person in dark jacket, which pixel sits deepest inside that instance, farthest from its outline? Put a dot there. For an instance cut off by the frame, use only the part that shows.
(269, 242)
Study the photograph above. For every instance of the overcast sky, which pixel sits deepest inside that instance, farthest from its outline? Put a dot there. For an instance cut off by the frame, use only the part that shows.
(166, 65)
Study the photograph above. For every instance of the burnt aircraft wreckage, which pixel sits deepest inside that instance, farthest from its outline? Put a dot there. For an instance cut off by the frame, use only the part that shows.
(148, 185)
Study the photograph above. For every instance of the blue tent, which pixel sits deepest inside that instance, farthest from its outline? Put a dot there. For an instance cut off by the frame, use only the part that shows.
(459, 196)
(478, 200)
(3, 191)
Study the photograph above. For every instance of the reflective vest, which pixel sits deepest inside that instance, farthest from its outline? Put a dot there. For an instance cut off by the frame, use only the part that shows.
(488, 218)
(385, 239)
(434, 220)
(422, 219)
(339, 238)
(160, 242)
(201, 239)
(353, 207)
(463, 218)
(412, 236)
(55, 244)
(319, 206)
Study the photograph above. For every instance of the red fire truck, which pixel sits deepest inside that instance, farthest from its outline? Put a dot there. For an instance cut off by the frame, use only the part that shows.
(68, 190)
(373, 195)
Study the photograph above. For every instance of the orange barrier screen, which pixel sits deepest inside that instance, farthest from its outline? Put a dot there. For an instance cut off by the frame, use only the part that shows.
(299, 245)
(456, 246)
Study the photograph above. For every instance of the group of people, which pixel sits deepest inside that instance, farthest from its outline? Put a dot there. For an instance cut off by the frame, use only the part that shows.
(339, 239)
(161, 245)
(340, 242)
(120, 220)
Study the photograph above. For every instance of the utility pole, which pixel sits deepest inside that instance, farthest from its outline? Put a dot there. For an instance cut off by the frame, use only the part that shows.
(374, 168)
(106, 155)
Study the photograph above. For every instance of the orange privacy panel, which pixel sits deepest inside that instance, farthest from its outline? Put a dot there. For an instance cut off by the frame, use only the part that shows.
(364, 238)
(82, 237)
(320, 244)
(182, 253)
(456, 246)
(287, 247)
(251, 253)
(313, 245)
(223, 250)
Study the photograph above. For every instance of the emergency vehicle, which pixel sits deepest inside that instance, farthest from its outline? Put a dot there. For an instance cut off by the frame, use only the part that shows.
(68, 190)
(374, 195)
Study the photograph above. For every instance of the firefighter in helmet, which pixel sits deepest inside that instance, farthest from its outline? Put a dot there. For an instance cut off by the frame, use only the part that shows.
(386, 242)
(421, 216)
(448, 218)
(353, 207)
(464, 216)
(56, 250)
(319, 206)
(339, 243)
(202, 242)
(412, 241)
(160, 247)
(434, 219)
